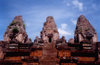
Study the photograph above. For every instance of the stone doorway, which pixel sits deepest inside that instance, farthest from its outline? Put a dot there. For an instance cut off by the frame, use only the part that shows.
(49, 39)
(50, 36)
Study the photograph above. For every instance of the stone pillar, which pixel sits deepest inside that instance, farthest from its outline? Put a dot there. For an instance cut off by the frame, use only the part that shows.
(80, 37)
(94, 38)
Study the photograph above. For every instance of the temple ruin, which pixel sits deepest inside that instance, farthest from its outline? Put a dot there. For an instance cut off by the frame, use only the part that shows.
(49, 49)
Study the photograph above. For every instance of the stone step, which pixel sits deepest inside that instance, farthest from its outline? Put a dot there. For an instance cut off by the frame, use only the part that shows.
(49, 55)
(49, 46)
(49, 50)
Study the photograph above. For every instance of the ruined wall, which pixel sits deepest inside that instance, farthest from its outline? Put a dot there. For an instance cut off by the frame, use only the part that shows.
(37, 53)
(16, 49)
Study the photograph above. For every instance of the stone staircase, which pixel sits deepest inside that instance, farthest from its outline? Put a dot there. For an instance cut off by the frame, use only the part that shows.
(49, 55)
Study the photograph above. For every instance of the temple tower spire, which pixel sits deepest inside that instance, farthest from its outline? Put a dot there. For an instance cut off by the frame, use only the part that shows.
(49, 32)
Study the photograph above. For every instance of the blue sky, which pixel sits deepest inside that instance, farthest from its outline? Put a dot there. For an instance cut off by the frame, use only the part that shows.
(34, 13)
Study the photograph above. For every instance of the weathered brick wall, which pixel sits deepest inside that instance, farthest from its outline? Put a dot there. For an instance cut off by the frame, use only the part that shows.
(86, 59)
(68, 64)
(65, 53)
(25, 63)
(13, 58)
(37, 53)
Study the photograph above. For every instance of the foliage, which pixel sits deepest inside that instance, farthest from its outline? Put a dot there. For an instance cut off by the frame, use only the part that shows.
(14, 22)
(48, 28)
(15, 30)
(86, 29)
(55, 30)
(44, 23)
(24, 24)
(79, 30)
(30, 39)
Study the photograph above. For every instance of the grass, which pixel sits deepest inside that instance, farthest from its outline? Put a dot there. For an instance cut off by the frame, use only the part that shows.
(15, 30)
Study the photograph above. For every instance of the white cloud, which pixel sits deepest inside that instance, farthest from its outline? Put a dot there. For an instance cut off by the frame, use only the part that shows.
(63, 26)
(78, 4)
(68, 4)
(63, 31)
(74, 21)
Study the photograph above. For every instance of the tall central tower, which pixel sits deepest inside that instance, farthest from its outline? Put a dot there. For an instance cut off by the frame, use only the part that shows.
(49, 33)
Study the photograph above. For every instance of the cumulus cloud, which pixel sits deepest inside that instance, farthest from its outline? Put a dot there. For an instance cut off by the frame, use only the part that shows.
(74, 21)
(63, 31)
(63, 26)
(78, 4)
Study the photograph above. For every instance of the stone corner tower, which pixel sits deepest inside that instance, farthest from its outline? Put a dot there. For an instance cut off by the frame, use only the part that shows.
(84, 31)
(16, 30)
(49, 33)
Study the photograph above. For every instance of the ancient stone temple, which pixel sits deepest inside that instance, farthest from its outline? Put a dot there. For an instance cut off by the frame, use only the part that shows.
(49, 49)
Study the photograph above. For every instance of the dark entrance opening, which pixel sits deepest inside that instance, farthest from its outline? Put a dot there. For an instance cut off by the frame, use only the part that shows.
(88, 38)
(77, 38)
(49, 39)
